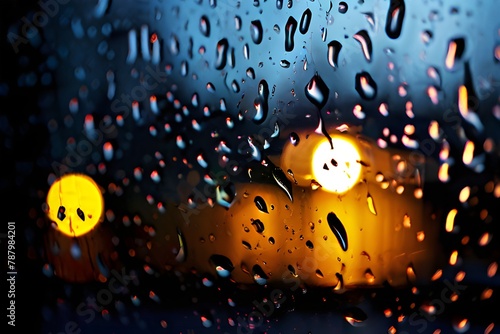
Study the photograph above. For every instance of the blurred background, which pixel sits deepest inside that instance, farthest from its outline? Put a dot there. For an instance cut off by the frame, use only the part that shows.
(132, 93)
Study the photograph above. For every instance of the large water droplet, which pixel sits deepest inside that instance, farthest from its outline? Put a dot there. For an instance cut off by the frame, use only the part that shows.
(290, 27)
(317, 91)
(256, 31)
(334, 48)
(366, 44)
(338, 230)
(366, 86)
(395, 17)
(305, 21)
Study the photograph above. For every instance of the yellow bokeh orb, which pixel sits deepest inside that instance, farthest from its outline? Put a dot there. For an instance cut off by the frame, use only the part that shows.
(75, 204)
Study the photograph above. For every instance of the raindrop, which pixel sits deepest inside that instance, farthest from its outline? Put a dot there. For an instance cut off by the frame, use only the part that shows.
(259, 275)
(223, 265)
(366, 43)
(80, 214)
(317, 91)
(395, 18)
(305, 21)
(256, 31)
(284, 63)
(366, 86)
(455, 52)
(334, 48)
(225, 195)
(261, 204)
(343, 7)
(371, 204)
(290, 27)
(261, 102)
(355, 316)
(258, 225)
(205, 26)
(246, 245)
(283, 182)
(319, 273)
(294, 139)
(221, 54)
(338, 230)
(369, 275)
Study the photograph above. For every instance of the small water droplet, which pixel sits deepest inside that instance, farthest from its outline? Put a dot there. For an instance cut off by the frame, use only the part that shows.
(371, 204)
(317, 91)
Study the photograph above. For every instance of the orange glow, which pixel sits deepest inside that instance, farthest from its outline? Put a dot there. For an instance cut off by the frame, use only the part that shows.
(460, 276)
(434, 130)
(437, 275)
(485, 239)
(443, 172)
(468, 152)
(462, 101)
(486, 294)
(492, 269)
(464, 194)
(453, 258)
(450, 220)
(450, 56)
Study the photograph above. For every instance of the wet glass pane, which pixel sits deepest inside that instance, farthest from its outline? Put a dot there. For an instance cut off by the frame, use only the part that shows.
(251, 166)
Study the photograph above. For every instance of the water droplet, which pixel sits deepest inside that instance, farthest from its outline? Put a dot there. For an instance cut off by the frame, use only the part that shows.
(366, 86)
(221, 54)
(366, 44)
(338, 230)
(259, 275)
(355, 316)
(309, 244)
(256, 31)
(283, 182)
(258, 225)
(317, 91)
(261, 102)
(223, 265)
(369, 275)
(205, 26)
(410, 274)
(395, 17)
(305, 21)
(334, 48)
(261, 204)
(455, 52)
(371, 204)
(343, 7)
(225, 195)
(294, 139)
(290, 27)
